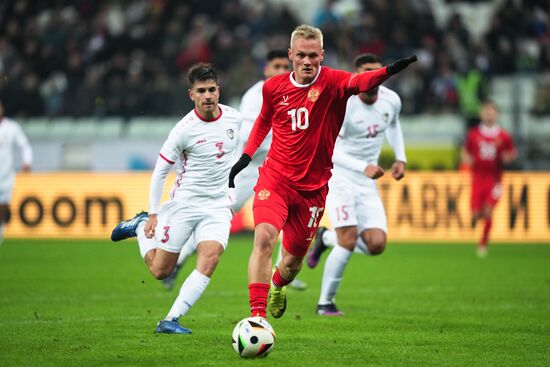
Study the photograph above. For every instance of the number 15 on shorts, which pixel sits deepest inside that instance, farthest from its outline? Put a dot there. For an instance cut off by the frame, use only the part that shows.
(316, 212)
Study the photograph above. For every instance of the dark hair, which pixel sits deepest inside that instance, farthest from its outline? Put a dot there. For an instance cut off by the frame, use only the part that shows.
(276, 54)
(367, 59)
(202, 72)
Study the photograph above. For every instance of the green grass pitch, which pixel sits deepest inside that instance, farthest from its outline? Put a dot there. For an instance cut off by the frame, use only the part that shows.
(93, 303)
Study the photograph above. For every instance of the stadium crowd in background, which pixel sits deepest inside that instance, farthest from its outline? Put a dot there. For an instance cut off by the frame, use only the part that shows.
(86, 57)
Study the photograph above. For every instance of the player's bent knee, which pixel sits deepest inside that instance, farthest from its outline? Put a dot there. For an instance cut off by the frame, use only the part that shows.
(348, 242)
(376, 240)
(160, 273)
(207, 265)
(378, 245)
(265, 238)
(347, 237)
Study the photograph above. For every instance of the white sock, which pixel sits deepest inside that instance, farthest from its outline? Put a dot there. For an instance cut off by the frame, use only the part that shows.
(187, 250)
(145, 244)
(332, 275)
(191, 290)
(330, 239)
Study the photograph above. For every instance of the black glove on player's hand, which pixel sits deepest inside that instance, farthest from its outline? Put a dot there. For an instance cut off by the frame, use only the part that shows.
(238, 167)
(397, 66)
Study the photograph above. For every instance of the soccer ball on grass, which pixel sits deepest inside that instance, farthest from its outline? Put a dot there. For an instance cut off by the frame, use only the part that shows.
(253, 337)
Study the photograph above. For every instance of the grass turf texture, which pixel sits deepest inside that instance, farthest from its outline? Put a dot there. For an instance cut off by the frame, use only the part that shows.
(92, 303)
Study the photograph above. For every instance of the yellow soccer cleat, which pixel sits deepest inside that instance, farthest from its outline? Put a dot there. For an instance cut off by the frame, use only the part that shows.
(277, 301)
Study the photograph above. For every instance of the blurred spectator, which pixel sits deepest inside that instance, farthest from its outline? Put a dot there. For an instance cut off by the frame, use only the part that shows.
(541, 105)
(127, 58)
(472, 92)
(443, 88)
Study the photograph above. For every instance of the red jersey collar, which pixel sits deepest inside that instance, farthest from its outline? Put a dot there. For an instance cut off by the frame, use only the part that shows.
(296, 84)
(209, 120)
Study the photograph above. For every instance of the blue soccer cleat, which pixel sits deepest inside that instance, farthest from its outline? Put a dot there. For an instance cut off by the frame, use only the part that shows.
(171, 327)
(127, 228)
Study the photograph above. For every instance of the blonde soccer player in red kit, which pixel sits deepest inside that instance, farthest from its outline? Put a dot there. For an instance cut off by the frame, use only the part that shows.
(487, 149)
(305, 110)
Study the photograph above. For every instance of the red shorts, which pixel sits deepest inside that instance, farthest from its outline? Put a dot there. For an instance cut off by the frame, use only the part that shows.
(296, 213)
(485, 191)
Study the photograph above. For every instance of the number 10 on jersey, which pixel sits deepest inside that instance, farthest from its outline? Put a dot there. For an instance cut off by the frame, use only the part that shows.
(316, 212)
(300, 118)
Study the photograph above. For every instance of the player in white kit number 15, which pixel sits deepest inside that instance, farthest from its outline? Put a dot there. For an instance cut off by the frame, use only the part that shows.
(353, 203)
(203, 143)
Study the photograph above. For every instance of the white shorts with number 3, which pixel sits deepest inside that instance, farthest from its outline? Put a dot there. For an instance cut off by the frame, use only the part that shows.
(349, 204)
(178, 222)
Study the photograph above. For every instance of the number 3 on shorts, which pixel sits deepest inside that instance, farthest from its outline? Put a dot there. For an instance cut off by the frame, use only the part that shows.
(315, 213)
(166, 235)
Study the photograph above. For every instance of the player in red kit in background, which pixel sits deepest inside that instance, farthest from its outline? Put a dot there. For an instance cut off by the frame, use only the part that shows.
(305, 110)
(486, 150)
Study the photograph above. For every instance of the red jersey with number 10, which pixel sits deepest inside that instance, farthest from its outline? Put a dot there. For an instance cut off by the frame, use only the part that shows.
(486, 146)
(306, 120)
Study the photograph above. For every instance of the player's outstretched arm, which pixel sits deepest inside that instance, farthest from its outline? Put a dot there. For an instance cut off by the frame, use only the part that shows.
(399, 65)
(367, 80)
(238, 167)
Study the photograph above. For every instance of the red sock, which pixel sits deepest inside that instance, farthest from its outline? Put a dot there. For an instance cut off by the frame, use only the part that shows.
(486, 230)
(258, 298)
(278, 280)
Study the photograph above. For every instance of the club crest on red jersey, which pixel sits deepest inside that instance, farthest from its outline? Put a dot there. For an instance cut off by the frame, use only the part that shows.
(313, 95)
(264, 194)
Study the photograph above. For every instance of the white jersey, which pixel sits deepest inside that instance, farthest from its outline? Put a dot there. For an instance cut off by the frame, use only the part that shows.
(362, 135)
(12, 139)
(251, 104)
(205, 151)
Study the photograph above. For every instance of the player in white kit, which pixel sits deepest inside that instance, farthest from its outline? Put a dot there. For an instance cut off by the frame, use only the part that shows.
(276, 63)
(203, 144)
(12, 141)
(353, 203)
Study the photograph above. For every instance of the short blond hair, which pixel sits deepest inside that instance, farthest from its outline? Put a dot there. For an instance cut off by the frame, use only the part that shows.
(307, 32)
